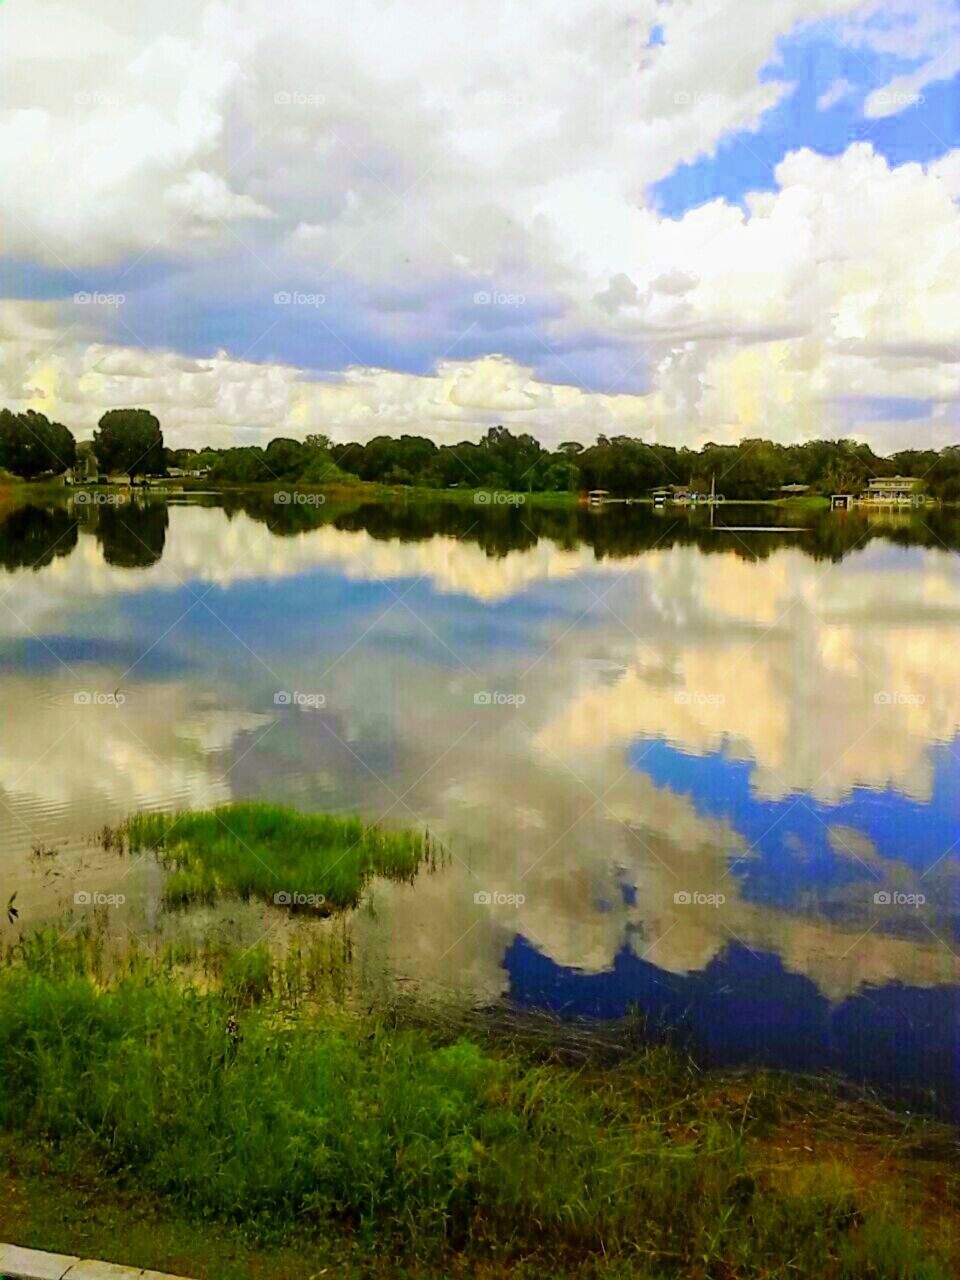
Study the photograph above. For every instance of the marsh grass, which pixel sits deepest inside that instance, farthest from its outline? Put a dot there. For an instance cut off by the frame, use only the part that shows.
(237, 1101)
(307, 862)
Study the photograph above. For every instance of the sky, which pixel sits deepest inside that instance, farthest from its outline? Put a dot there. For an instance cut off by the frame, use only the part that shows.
(684, 220)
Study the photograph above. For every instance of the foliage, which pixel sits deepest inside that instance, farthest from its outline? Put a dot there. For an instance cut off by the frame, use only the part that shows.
(31, 445)
(129, 440)
(410, 1141)
(283, 461)
(625, 465)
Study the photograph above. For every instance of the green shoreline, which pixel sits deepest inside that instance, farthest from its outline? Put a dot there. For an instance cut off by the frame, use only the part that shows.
(371, 490)
(221, 1112)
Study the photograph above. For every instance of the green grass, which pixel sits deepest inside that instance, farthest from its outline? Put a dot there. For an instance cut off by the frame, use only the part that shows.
(306, 862)
(478, 496)
(806, 502)
(428, 1147)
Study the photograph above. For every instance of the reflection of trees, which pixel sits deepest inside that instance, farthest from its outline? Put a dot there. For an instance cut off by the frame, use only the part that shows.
(613, 531)
(31, 537)
(498, 530)
(285, 519)
(132, 535)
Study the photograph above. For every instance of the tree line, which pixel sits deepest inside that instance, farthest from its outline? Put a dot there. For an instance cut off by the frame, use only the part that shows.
(131, 441)
(623, 465)
(133, 535)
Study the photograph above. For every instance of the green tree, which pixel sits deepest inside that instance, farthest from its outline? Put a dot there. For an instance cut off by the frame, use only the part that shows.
(241, 466)
(129, 440)
(285, 459)
(31, 445)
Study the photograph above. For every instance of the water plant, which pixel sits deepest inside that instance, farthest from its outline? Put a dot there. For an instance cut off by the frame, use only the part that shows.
(305, 862)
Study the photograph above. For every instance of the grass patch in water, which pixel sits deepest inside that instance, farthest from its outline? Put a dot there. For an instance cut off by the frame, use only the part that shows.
(304, 861)
(427, 1146)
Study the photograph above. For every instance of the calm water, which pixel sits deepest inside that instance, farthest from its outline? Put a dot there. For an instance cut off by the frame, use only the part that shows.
(715, 775)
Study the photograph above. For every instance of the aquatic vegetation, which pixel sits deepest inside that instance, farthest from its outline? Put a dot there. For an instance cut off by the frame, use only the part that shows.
(232, 1105)
(301, 861)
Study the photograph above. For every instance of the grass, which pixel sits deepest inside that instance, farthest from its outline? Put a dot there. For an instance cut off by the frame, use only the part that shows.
(296, 1137)
(306, 862)
(481, 496)
(806, 502)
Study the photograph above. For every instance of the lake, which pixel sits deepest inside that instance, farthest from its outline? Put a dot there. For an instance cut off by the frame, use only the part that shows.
(709, 775)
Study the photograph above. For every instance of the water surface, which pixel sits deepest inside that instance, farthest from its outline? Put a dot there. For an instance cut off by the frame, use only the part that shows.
(710, 774)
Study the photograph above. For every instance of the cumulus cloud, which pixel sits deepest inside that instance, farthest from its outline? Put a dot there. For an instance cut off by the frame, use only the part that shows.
(400, 165)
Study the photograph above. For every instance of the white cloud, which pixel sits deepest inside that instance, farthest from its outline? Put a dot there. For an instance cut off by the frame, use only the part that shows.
(834, 93)
(927, 33)
(780, 320)
(399, 161)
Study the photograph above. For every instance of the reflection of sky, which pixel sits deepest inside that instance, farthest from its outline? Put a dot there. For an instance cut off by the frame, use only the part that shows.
(791, 835)
(745, 1007)
(609, 789)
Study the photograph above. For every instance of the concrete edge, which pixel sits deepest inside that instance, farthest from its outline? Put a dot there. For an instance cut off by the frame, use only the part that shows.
(34, 1264)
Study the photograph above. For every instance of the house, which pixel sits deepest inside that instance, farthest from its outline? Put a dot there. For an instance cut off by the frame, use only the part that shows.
(894, 491)
(182, 473)
(794, 490)
(597, 496)
(85, 469)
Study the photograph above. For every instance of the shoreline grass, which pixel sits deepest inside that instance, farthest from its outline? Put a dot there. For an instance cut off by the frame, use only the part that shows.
(301, 861)
(440, 1146)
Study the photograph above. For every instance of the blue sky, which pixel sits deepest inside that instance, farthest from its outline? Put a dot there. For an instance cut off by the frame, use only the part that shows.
(813, 62)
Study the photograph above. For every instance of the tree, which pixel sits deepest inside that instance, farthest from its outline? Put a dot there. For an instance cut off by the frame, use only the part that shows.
(561, 477)
(243, 465)
(129, 440)
(31, 445)
(285, 459)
